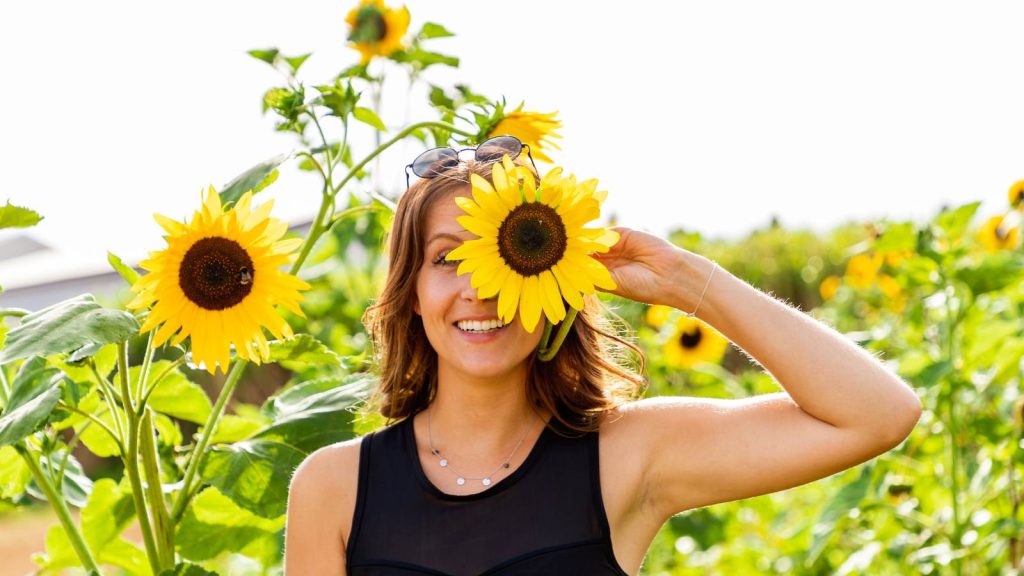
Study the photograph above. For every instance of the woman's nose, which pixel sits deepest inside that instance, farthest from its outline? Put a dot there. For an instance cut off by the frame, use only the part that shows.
(470, 293)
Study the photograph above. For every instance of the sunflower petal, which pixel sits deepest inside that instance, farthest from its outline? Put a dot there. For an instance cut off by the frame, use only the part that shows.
(490, 289)
(530, 303)
(508, 297)
(569, 292)
(554, 309)
(477, 226)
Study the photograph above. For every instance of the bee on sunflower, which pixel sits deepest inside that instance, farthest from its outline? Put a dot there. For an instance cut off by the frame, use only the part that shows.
(218, 282)
(533, 247)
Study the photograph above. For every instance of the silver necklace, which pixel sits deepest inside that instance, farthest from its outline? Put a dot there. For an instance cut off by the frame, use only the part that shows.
(460, 478)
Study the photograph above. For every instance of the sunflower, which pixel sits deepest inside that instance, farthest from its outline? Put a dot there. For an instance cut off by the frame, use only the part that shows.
(533, 128)
(693, 341)
(829, 286)
(999, 233)
(533, 250)
(1016, 194)
(862, 269)
(218, 282)
(657, 315)
(375, 29)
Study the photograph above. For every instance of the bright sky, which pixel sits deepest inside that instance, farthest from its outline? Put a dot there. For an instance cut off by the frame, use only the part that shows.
(707, 116)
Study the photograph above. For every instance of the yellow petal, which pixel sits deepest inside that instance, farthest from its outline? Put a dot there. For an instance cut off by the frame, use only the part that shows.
(508, 297)
(477, 226)
(572, 296)
(554, 309)
(490, 289)
(529, 303)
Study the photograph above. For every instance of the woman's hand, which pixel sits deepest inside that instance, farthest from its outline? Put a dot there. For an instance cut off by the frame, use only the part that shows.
(652, 270)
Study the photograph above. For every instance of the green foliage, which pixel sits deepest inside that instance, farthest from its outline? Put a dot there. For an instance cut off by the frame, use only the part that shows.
(254, 179)
(12, 216)
(34, 394)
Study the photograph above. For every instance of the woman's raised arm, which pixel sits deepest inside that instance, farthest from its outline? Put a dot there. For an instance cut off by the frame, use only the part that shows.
(841, 406)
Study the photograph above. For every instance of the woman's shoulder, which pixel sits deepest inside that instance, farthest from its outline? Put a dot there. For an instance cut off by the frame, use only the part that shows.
(330, 471)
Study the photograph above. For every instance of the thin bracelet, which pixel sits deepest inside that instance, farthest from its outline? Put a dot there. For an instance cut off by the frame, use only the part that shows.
(706, 284)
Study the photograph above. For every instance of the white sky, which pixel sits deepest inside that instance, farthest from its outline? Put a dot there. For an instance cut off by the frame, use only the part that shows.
(707, 116)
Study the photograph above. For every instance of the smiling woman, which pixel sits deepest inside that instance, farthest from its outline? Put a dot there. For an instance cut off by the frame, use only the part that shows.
(502, 463)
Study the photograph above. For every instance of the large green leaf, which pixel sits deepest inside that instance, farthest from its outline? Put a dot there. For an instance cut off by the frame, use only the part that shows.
(954, 222)
(74, 484)
(107, 513)
(67, 327)
(12, 216)
(256, 178)
(34, 394)
(849, 497)
(254, 473)
(95, 438)
(213, 524)
(993, 272)
(302, 350)
(175, 395)
(119, 552)
(308, 422)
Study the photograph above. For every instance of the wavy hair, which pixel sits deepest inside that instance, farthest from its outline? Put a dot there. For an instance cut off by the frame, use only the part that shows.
(596, 370)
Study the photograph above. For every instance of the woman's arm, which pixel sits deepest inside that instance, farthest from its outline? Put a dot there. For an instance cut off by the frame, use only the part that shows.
(841, 406)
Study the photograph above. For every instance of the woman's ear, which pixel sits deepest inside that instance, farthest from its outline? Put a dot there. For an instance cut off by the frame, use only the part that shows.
(416, 304)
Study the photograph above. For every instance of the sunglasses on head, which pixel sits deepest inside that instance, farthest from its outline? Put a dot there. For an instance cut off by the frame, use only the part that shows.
(436, 161)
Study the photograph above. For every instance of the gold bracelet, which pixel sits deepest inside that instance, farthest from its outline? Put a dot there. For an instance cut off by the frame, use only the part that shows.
(706, 284)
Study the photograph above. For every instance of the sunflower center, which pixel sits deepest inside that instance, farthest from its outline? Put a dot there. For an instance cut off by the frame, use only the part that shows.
(216, 273)
(370, 26)
(532, 238)
(690, 339)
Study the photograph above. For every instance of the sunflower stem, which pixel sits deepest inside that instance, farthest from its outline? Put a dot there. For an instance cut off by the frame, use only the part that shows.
(60, 507)
(95, 420)
(131, 459)
(147, 359)
(151, 466)
(547, 354)
(327, 147)
(196, 457)
(545, 337)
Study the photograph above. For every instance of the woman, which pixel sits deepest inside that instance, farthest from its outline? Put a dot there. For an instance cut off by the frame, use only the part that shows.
(501, 464)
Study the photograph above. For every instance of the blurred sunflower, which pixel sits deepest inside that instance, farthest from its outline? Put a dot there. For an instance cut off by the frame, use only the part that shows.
(997, 233)
(657, 315)
(828, 287)
(862, 269)
(375, 29)
(533, 249)
(693, 341)
(1016, 194)
(533, 128)
(896, 257)
(218, 282)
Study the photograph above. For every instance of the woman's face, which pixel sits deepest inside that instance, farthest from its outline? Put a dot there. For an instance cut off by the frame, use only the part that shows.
(448, 305)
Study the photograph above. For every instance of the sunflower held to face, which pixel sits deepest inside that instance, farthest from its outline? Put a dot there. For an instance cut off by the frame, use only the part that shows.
(375, 29)
(533, 247)
(218, 282)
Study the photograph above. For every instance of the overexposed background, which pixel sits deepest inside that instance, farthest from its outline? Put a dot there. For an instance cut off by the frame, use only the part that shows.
(706, 116)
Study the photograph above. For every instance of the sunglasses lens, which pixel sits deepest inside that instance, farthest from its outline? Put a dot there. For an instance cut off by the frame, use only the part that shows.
(434, 162)
(493, 149)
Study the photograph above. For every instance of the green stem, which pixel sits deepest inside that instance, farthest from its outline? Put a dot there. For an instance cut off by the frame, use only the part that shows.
(5, 387)
(131, 460)
(196, 457)
(95, 420)
(147, 359)
(61, 508)
(154, 493)
(327, 147)
(108, 398)
(547, 354)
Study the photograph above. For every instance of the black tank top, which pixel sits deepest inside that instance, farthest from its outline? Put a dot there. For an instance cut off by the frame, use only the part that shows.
(545, 518)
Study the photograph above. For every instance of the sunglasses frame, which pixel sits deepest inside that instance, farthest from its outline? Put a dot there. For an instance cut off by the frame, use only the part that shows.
(522, 145)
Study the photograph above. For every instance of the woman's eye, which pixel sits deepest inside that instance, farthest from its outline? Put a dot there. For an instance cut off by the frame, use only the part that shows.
(440, 259)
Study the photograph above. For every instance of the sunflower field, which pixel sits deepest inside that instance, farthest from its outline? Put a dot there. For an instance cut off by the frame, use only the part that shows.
(161, 425)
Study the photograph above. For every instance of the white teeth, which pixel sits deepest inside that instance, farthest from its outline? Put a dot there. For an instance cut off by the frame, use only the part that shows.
(479, 326)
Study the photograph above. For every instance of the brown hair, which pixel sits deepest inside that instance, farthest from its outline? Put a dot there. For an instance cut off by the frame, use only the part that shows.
(591, 374)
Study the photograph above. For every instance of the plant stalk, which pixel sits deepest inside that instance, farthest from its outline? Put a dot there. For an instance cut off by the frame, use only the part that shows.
(196, 457)
(154, 493)
(61, 508)
(954, 429)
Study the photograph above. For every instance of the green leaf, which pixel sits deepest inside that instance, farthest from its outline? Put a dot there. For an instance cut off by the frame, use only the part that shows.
(80, 372)
(60, 555)
(993, 272)
(848, 498)
(954, 222)
(186, 569)
(12, 216)
(439, 99)
(340, 98)
(235, 428)
(167, 431)
(432, 30)
(127, 272)
(176, 395)
(254, 178)
(14, 473)
(295, 62)
(268, 55)
(66, 327)
(421, 58)
(367, 116)
(95, 437)
(35, 392)
(303, 350)
(897, 237)
(254, 473)
(308, 422)
(934, 373)
(75, 485)
(107, 513)
(236, 529)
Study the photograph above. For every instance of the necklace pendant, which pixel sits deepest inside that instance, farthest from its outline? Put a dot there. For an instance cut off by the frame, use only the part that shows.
(444, 462)
(487, 481)
(460, 481)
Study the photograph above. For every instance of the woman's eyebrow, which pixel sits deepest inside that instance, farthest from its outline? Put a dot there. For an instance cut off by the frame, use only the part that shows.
(444, 235)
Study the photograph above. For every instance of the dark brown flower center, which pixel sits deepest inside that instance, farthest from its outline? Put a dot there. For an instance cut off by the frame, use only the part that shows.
(690, 339)
(370, 26)
(216, 273)
(532, 238)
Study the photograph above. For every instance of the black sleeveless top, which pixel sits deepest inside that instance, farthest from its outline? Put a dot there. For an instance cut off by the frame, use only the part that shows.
(545, 518)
